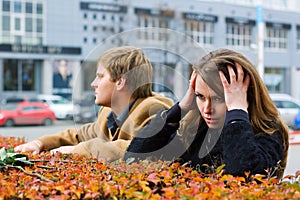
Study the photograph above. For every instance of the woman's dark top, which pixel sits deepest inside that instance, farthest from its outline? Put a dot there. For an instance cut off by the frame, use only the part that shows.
(235, 145)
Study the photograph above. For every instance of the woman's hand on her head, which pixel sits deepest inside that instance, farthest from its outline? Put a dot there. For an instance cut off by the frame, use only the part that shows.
(188, 101)
(235, 92)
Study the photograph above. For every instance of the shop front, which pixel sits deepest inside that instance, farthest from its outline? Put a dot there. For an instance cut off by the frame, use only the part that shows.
(30, 70)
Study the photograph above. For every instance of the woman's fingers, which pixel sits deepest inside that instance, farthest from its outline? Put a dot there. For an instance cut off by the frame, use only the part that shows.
(235, 90)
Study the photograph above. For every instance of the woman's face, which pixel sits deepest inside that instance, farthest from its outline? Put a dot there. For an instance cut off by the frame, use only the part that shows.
(211, 106)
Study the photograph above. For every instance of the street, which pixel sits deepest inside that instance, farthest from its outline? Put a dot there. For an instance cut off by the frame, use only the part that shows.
(32, 132)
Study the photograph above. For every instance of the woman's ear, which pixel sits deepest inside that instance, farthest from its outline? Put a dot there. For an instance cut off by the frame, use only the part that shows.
(120, 83)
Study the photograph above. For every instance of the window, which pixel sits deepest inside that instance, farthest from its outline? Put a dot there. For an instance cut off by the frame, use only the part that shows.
(18, 39)
(17, 24)
(39, 25)
(85, 16)
(19, 75)
(276, 38)
(17, 7)
(201, 32)
(28, 7)
(94, 16)
(298, 38)
(153, 21)
(6, 6)
(238, 35)
(5, 23)
(274, 79)
(39, 8)
(28, 24)
(95, 40)
(39, 40)
(10, 75)
(85, 27)
(95, 28)
(85, 40)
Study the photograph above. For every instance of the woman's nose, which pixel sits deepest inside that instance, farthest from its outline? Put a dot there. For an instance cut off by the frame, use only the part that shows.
(208, 107)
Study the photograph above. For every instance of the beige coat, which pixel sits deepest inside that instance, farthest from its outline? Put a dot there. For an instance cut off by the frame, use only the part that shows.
(95, 140)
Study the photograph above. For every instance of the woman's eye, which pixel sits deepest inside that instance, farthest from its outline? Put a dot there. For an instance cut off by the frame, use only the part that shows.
(217, 99)
(199, 96)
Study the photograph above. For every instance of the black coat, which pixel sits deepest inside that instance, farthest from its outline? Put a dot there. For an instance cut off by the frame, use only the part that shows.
(235, 145)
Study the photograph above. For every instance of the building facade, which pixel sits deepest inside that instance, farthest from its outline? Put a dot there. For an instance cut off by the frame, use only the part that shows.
(52, 46)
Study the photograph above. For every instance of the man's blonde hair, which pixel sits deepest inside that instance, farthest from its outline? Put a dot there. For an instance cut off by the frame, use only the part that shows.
(131, 63)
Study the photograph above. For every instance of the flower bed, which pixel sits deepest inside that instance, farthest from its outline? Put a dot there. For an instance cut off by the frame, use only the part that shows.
(72, 177)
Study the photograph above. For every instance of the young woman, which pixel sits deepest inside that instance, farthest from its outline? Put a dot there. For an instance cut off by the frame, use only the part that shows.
(226, 117)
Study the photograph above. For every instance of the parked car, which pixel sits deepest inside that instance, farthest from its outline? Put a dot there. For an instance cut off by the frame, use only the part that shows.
(13, 99)
(287, 106)
(26, 113)
(62, 107)
(85, 109)
(296, 125)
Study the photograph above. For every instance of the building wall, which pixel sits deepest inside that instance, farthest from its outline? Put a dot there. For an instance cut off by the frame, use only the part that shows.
(69, 24)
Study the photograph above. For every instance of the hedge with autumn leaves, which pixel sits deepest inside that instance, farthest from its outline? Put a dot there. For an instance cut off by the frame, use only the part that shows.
(46, 176)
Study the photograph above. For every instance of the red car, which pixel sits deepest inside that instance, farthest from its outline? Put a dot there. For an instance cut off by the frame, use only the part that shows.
(26, 113)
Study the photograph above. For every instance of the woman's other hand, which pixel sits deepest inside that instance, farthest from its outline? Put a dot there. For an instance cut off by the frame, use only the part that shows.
(188, 101)
(235, 92)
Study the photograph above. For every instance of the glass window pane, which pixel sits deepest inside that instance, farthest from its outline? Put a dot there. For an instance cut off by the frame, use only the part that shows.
(18, 39)
(17, 7)
(10, 74)
(39, 8)
(39, 25)
(5, 23)
(28, 24)
(28, 7)
(6, 6)
(28, 76)
(289, 104)
(17, 24)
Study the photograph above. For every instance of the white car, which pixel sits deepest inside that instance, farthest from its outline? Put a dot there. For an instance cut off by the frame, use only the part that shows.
(62, 107)
(287, 106)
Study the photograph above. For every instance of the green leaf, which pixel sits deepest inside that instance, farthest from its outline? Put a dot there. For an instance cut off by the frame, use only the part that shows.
(10, 150)
(218, 170)
(3, 154)
(8, 157)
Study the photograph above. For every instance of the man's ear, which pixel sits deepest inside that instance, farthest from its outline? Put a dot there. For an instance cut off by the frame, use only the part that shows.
(120, 83)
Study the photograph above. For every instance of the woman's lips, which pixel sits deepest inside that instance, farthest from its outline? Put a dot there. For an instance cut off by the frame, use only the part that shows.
(211, 120)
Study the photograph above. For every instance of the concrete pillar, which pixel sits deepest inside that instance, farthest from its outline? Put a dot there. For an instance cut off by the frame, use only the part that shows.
(47, 79)
(295, 82)
(78, 81)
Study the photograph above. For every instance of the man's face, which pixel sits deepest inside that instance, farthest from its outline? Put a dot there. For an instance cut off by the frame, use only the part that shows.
(104, 87)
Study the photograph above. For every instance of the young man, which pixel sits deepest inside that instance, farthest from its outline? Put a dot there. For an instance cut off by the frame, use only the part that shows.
(123, 90)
